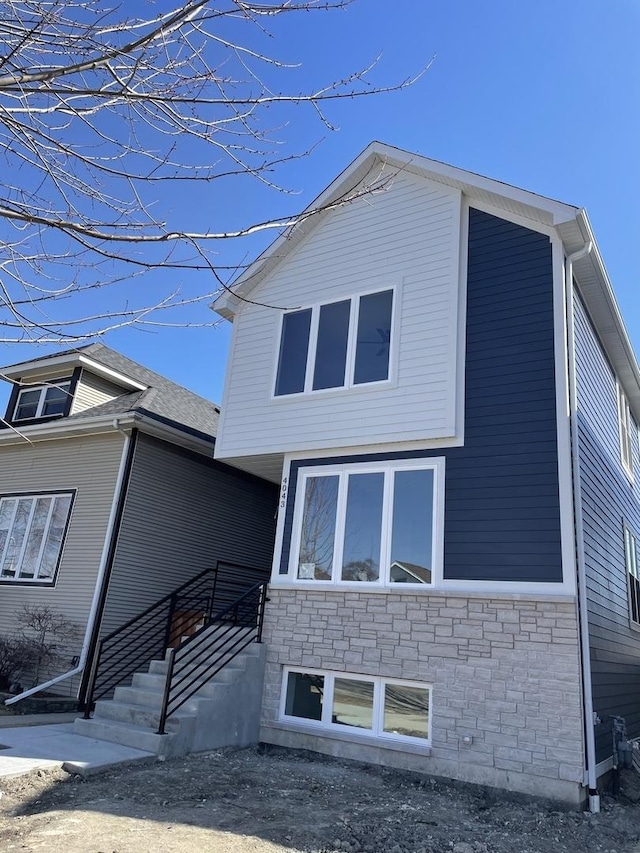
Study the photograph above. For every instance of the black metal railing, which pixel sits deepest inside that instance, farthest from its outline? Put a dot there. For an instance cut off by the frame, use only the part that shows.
(148, 635)
(197, 660)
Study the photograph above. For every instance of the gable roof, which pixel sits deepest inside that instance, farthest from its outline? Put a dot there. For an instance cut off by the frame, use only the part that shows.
(571, 223)
(367, 167)
(147, 393)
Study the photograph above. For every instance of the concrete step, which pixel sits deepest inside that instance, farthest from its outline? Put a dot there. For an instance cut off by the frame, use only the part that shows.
(125, 712)
(158, 667)
(138, 696)
(126, 734)
(149, 681)
(137, 715)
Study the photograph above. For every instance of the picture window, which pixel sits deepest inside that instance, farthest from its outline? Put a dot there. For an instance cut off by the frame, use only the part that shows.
(371, 523)
(32, 529)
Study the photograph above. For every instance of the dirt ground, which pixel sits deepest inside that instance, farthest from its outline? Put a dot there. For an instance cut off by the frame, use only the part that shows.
(290, 802)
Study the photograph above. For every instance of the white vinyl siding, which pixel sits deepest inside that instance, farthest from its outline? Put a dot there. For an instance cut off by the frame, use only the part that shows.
(88, 466)
(92, 391)
(406, 238)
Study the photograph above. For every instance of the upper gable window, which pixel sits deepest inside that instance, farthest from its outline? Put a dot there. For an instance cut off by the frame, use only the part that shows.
(336, 345)
(624, 420)
(42, 402)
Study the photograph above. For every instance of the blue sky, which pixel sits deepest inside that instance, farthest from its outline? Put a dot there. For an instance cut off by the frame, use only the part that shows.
(541, 95)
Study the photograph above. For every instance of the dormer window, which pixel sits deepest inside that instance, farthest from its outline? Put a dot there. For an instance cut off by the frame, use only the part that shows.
(42, 402)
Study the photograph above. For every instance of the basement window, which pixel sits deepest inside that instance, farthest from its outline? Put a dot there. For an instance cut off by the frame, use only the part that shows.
(342, 702)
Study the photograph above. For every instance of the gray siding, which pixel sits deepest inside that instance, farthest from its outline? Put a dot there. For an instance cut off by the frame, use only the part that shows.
(609, 500)
(182, 512)
(93, 391)
(89, 466)
(502, 511)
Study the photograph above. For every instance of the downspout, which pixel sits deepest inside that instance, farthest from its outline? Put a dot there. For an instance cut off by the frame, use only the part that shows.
(594, 798)
(93, 612)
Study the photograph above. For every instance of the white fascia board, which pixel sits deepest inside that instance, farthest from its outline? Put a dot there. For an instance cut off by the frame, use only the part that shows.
(475, 187)
(65, 428)
(42, 365)
(597, 293)
(39, 365)
(114, 375)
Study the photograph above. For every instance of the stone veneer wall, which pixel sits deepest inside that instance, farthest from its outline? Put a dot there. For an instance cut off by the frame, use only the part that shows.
(504, 671)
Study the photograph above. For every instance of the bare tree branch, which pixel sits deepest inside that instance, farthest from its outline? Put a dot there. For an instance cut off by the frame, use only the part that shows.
(103, 113)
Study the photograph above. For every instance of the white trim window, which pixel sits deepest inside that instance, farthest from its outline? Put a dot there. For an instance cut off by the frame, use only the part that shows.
(357, 704)
(32, 529)
(336, 345)
(372, 523)
(42, 402)
(633, 576)
(624, 424)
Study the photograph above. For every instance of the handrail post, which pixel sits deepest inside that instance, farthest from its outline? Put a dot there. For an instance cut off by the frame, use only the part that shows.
(167, 633)
(261, 606)
(213, 590)
(167, 691)
(92, 682)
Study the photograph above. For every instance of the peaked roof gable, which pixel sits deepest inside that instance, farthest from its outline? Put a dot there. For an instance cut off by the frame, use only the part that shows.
(570, 223)
(365, 176)
(143, 391)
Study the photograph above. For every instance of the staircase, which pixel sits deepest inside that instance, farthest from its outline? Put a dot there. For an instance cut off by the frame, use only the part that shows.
(206, 691)
(224, 710)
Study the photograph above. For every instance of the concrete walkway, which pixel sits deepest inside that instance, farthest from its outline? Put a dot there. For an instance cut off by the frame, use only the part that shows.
(24, 748)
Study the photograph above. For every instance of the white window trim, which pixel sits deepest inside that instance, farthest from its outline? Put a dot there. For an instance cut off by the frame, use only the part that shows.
(624, 430)
(632, 568)
(354, 315)
(63, 386)
(388, 467)
(36, 579)
(325, 726)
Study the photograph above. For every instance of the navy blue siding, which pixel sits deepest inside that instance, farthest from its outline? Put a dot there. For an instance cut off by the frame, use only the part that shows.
(502, 514)
(609, 500)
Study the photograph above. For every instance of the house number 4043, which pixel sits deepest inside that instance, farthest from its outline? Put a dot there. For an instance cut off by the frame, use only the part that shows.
(283, 492)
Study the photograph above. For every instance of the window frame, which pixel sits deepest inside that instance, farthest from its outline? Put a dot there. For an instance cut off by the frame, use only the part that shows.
(326, 726)
(352, 334)
(63, 384)
(36, 580)
(389, 467)
(632, 569)
(625, 421)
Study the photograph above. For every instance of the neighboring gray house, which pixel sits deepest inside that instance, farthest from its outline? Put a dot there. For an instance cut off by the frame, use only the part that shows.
(110, 497)
(448, 399)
